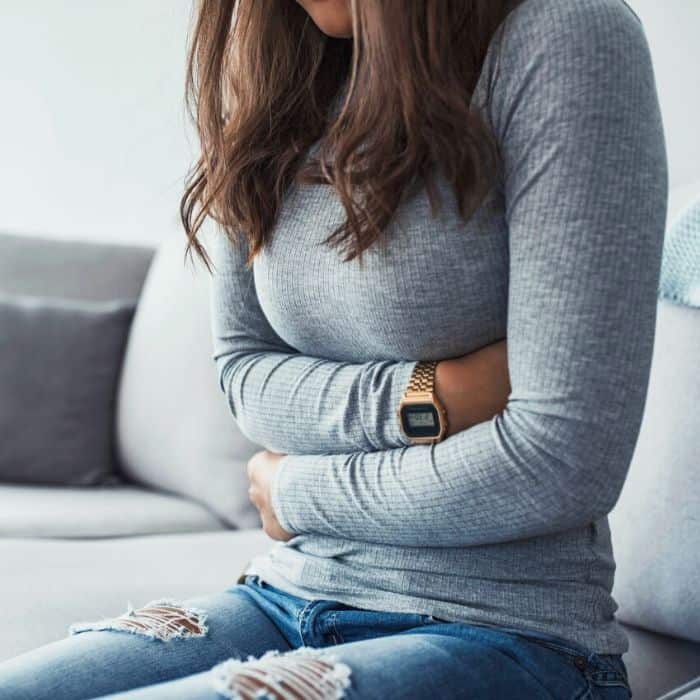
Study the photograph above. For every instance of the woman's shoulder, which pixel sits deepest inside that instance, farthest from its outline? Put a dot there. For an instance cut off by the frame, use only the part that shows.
(576, 19)
(575, 48)
(565, 33)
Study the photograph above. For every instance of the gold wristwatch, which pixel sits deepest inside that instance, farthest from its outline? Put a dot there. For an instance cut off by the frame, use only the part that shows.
(422, 417)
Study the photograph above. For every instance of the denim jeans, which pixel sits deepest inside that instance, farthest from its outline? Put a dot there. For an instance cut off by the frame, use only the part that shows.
(256, 641)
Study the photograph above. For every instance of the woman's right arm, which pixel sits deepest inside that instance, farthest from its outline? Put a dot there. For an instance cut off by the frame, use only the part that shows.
(292, 403)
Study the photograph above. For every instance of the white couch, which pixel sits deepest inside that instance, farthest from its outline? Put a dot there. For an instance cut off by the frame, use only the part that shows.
(179, 523)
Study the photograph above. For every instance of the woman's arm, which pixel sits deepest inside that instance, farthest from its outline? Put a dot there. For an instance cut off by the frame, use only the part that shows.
(576, 114)
(281, 399)
(288, 402)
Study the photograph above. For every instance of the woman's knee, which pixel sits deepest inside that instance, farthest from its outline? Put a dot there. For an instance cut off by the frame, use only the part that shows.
(163, 619)
(304, 674)
(307, 673)
(160, 640)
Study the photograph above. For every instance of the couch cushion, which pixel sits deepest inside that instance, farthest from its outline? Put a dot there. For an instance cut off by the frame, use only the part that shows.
(657, 663)
(108, 511)
(174, 429)
(71, 269)
(655, 526)
(48, 584)
(59, 365)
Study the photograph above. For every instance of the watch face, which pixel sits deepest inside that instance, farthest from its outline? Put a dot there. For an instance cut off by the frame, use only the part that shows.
(420, 420)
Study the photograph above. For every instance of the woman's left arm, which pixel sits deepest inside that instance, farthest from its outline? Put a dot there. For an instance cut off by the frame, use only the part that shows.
(576, 114)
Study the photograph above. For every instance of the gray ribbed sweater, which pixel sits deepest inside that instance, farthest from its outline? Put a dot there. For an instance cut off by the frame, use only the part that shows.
(504, 523)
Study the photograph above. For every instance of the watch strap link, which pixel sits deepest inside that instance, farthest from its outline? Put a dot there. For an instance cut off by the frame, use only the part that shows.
(423, 377)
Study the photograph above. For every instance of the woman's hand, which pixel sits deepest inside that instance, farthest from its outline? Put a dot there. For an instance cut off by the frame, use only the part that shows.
(261, 468)
(474, 387)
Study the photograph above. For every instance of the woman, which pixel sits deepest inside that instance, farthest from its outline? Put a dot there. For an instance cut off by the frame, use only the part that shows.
(490, 169)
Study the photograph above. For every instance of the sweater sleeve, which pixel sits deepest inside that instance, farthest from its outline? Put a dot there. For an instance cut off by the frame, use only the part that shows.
(575, 111)
(286, 401)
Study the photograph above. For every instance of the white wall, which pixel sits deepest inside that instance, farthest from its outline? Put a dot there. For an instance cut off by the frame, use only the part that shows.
(93, 136)
(673, 29)
(92, 127)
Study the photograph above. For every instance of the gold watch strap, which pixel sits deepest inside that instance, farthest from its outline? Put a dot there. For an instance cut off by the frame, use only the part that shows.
(423, 377)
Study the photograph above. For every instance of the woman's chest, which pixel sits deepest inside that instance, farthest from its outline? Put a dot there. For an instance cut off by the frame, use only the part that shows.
(437, 288)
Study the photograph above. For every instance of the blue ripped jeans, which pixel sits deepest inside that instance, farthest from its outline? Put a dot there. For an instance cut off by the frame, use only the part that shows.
(256, 641)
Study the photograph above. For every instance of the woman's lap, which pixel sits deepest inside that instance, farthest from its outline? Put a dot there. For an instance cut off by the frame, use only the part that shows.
(241, 640)
(406, 665)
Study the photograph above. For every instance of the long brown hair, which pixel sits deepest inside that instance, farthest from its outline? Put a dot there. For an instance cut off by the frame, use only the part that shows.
(261, 84)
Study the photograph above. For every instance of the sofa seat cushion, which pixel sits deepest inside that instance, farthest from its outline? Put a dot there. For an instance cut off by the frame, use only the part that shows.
(104, 511)
(48, 584)
(657, 663)
(688, 691)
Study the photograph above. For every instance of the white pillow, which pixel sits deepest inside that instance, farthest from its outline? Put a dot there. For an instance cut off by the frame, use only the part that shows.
(656, 523)
(174, 428)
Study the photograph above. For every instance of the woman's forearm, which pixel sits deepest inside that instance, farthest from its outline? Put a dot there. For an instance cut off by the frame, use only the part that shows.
(297, 404)
(474, 387)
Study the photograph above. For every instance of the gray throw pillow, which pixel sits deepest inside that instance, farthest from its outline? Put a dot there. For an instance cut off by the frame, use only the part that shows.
(59, 366)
